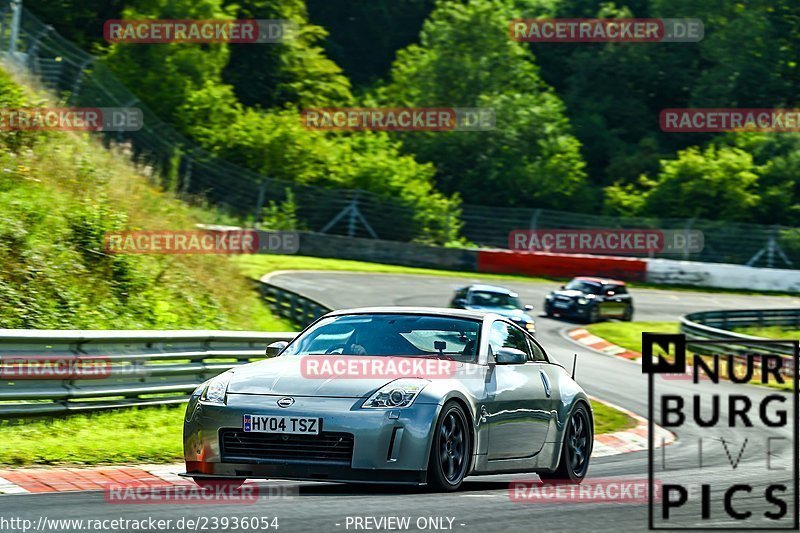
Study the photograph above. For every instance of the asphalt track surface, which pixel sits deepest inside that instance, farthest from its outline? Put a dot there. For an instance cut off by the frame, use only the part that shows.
(483, 504)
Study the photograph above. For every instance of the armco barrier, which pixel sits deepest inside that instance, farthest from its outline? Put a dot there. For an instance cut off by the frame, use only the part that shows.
(130, 368)
(139, 367)
(716, 325)
(295, 307)
(560, 265)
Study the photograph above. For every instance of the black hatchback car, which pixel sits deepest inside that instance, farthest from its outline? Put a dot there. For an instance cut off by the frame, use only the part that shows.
(590, 299)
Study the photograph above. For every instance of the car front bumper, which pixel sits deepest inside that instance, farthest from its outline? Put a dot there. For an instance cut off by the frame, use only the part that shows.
(572, 309)
(389, 445)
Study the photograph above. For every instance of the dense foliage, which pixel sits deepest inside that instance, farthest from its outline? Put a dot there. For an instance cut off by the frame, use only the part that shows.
(577, 124)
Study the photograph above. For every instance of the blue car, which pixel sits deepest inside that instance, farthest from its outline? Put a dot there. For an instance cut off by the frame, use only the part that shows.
(498, 300)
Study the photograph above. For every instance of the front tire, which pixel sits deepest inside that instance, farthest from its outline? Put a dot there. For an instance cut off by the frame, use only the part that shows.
(576, 449)
(450, 449)
(594, 315)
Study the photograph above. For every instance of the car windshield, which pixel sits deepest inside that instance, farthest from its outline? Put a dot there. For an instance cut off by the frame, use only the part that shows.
(391, 335)
(587, 287)
(494, 299)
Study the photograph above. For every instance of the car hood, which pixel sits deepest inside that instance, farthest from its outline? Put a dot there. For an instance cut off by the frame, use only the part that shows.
(283, 375)
(508, 313)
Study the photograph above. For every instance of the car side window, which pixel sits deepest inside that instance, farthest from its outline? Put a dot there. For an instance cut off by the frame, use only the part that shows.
(619, 289)
(536, 353)
(607, 288)
(503, 335)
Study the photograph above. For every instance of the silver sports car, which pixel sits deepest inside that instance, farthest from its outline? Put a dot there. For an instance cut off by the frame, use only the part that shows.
(393, 395)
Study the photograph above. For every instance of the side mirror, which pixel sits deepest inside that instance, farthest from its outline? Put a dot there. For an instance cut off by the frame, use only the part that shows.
(276, 348)
(529, 307)
(563, 286)
(610, 293)
(460, 303)
(510, 356)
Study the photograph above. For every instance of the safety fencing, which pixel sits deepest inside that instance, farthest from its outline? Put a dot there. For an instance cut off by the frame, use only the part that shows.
(719, 326)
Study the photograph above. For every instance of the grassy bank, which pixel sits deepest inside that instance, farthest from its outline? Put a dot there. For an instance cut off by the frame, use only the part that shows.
(60, 193)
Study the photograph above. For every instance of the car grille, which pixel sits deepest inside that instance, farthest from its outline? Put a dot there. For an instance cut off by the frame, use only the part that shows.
(327, 447)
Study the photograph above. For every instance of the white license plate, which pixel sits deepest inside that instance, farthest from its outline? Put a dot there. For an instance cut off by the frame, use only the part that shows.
(562, 305)
(292, 425)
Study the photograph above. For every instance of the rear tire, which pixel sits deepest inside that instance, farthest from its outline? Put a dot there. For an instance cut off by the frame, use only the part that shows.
(576, 449)
(627, 316)
(451, 449)
(221, 483)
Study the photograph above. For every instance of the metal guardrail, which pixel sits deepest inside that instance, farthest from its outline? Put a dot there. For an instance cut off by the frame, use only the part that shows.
(40, 369)
(54, 372)
(295, 307)
(718, 325)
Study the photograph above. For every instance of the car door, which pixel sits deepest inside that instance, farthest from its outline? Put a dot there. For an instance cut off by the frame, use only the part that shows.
(613, 304)
(609, 306)
(624, 297)
(516, 409)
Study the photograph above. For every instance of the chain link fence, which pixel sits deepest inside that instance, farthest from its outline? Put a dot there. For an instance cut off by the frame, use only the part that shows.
(81, 79)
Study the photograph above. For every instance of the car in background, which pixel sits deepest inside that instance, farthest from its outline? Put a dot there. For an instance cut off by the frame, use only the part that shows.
(492, 299)
(590, 299)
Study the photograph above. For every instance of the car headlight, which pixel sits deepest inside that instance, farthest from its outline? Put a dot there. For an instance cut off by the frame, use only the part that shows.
(217, 389)
(397, 393)
(549, 296)
(530, 326)
(582, 301)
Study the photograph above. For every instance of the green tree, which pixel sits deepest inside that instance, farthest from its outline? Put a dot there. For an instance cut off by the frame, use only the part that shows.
(466, 59)
(296, 71)
(718, 183)
(364, 36)
(778, 157)
(80, 21)
(164, 75)
(276, 144)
